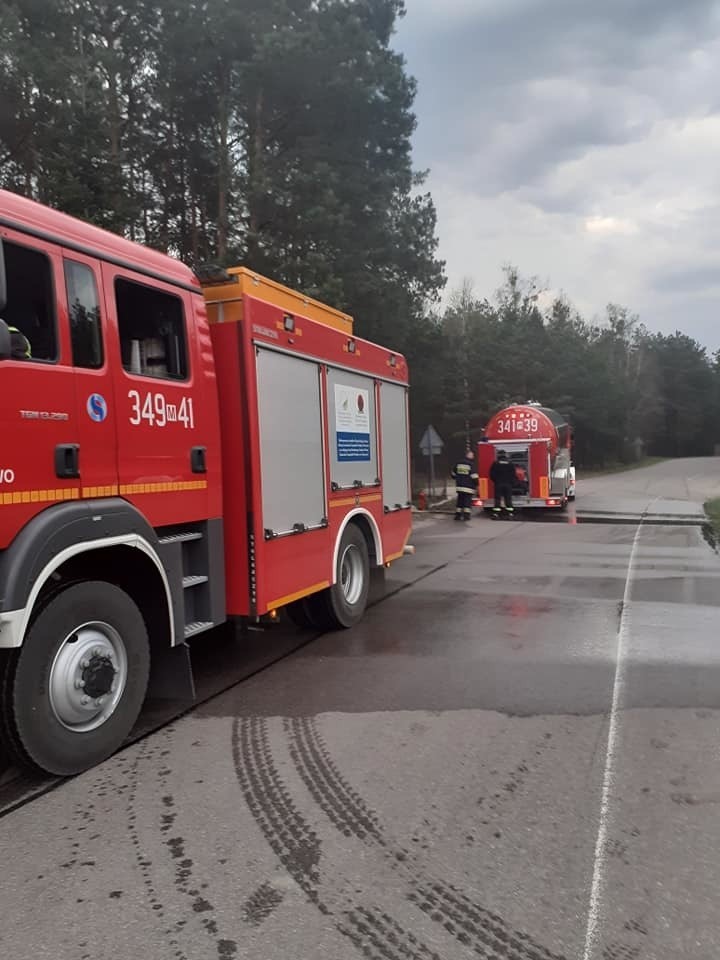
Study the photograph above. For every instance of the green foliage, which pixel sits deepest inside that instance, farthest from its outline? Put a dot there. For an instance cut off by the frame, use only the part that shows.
(616, 382)
(711, 529)
(270, 132)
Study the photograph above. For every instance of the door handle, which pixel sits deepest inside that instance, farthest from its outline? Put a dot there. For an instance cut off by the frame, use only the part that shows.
(67, 461)
(197, 460)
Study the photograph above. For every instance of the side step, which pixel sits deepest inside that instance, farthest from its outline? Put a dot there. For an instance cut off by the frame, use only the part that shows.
(185, 537)
(193, 557)
(193, 581)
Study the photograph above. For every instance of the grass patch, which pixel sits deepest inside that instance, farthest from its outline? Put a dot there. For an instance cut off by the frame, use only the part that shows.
(620, 467)
(711, 530)
(712, 509)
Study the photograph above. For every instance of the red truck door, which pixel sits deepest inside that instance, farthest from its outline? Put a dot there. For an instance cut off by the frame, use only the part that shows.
(163, 426)
(38, 413)
(485, 459)
(539, 471)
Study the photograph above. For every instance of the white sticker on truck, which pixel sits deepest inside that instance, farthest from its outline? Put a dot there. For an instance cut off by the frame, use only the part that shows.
(528, 425)
(352, 424)
(156, 410)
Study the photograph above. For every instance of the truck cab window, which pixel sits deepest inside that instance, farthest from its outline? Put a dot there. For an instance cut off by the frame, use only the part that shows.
(152, 331)
(84, 310)
(30, 307)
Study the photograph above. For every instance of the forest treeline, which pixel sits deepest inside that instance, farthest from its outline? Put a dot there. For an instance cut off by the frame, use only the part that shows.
(627, 391)
(277, 133)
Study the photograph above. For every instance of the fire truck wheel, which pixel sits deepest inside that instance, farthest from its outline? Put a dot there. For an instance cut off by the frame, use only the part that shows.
(301, 613)
(77, 684)
(343, 604)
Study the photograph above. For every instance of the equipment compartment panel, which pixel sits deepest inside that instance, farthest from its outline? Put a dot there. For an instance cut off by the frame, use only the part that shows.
(394, 443)
(291, 442)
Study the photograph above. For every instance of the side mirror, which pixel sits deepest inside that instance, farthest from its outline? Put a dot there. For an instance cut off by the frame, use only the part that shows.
(5, 341)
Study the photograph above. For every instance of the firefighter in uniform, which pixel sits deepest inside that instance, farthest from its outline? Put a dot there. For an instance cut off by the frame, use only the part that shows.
(502, 474)
(465, 476)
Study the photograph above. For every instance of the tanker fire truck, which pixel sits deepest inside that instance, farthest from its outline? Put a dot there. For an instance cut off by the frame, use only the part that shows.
(177, 452)
(538, 442)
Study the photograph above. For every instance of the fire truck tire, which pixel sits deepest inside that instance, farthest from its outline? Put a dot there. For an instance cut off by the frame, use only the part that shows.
(343, 604)
(73, 691)
(301, 613)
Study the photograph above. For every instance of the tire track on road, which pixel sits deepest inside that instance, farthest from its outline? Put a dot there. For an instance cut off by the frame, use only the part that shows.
(142, 859)
(469, 923)
(182, 864)
(297, 847)
(374, 927)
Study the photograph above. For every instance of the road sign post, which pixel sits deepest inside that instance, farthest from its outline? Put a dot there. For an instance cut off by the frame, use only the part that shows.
(431, 445)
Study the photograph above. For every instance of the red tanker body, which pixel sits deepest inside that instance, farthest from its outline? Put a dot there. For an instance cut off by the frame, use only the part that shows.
(176, 453)
(538, 441)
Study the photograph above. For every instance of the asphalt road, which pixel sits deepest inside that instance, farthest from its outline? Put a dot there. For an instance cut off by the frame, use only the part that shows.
(514, 757)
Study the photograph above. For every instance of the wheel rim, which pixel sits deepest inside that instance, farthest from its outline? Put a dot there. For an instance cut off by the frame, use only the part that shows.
(88, 676)
(352, 574)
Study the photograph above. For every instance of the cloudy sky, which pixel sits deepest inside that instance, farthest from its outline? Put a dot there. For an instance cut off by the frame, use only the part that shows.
(580, 141)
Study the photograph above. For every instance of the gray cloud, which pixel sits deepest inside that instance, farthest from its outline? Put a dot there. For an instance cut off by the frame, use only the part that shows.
(575, 138)
(688, 279)
(555, 72)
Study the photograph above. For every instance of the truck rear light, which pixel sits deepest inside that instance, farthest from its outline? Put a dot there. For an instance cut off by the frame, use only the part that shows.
(553, 503)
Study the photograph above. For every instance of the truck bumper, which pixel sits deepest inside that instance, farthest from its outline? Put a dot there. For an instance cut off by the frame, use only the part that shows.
(522, 502)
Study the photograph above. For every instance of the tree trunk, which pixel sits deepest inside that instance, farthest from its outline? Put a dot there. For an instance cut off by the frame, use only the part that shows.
(223, 168)
(255, 179)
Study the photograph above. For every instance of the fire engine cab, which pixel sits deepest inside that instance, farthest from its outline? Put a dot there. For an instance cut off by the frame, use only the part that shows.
(176, 452)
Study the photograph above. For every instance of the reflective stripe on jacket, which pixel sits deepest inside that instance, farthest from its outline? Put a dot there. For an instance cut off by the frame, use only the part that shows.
(465, 476)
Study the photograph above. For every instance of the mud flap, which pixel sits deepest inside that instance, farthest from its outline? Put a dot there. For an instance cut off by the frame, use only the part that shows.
(171, 676)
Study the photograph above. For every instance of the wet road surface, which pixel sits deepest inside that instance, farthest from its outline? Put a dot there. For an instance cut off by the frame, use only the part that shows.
(515, 756)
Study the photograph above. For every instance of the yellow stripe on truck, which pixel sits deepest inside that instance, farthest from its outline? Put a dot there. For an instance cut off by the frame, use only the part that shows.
(169, 486)
(39, 496)
(544, 487)
(298, 595)
(91, 493)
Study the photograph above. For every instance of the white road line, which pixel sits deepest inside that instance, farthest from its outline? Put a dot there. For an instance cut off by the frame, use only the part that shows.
(600, 863)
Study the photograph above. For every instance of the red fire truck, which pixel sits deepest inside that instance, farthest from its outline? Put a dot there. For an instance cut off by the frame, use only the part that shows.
(176, 453)
(538, 441)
